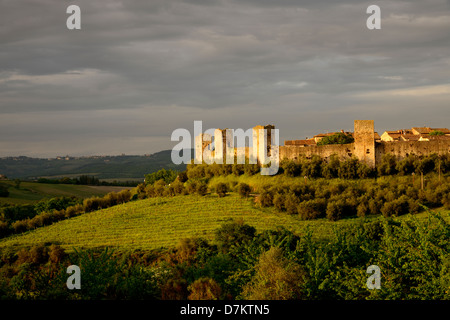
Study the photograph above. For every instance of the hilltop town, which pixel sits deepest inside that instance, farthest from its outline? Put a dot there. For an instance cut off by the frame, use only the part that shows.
(365, 144)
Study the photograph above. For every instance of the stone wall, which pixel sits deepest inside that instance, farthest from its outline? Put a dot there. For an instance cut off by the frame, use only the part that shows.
(343, 151)
(401, 149)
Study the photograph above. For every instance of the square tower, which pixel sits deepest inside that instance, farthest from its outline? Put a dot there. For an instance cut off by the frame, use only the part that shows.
(364, 144)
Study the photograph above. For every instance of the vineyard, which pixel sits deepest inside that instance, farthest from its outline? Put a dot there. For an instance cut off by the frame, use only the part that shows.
(163, 221)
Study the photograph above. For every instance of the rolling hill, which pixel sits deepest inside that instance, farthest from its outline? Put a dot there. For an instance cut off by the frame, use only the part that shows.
(124, 167)
(161, 222)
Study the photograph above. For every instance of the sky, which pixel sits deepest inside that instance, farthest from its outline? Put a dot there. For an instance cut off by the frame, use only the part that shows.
(138, 70)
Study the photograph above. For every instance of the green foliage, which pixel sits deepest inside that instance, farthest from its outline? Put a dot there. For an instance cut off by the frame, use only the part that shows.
(233, 233)
(204, 289)
(436, 133)
(167, 176)
(337, 138)
(4, 190)
(58, 203)
(221, 189)
(244, 189)
(387, 165)
(276, 278)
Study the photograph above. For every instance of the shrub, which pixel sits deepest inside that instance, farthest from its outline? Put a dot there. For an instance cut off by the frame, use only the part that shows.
(278, 201)
(202, 188)
(20, 226)
(291, 203)
(204, 289)
(265, 198)
(168, 176)
(243, 189)
(191, 186)
(276, 278)
(74, 210)
(221, 189)
(290, 168)
(4, 229)
(159, 188)
(233, 233)
(336, 209)
(387, 165)
(56, 254)
(178, 187)
(336, 138)
(312, 209)
(150, 191)
(4, 191)
(396, 207)
(362, 210)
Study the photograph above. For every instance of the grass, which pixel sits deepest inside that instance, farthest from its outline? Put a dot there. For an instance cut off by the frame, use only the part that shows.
(32, 192)
(161, 222)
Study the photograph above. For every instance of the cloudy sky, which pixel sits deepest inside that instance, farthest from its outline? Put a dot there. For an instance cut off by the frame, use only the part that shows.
(137, 70)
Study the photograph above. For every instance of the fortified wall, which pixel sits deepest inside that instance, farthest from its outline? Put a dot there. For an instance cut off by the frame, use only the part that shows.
(402, 149)
(367, 147)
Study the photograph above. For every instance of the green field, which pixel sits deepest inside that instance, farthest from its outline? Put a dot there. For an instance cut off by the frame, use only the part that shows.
(162, 222)
(32, 192)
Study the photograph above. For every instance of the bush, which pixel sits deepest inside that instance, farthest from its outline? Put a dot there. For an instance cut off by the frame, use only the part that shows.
(221, 189)
(4, 191)
(276, 278)
(204, 289)
(243, 189)
(191, 186)
(202, 188)
(290, 168)
(233, 233)
(387, 165)
(278, 201)
(168, 176)
(312, 209)
(336, 209)
(291, 203)
(265, 199)
(396, 207)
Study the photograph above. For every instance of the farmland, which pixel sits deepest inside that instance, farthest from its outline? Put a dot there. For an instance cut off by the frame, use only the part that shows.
(32, 192)
(163, 221)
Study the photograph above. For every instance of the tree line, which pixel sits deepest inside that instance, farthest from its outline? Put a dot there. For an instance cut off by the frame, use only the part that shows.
(88, 180)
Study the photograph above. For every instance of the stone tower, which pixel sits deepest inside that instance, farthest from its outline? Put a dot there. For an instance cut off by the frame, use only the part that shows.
(268, 142)
(364, 144)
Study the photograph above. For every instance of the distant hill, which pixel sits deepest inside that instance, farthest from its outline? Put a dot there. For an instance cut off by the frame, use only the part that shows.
(124, 167)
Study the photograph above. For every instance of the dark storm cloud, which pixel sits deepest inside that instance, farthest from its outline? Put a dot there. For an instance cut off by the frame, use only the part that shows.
(139, 69)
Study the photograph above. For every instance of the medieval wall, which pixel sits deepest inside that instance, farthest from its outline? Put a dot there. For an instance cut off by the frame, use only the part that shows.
(343, 151)
(402, 149)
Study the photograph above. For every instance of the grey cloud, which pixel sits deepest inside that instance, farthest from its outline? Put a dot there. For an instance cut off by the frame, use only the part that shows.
(297, 64)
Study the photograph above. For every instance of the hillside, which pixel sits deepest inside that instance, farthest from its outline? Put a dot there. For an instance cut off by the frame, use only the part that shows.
(161, 222)
(32, 192)
(103, 167)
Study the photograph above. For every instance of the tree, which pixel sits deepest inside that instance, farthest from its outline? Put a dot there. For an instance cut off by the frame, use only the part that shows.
(17, 183)
(4, 191)
(436, 133)
(244, 189)
(204, 289)
(221, 189)
(290, 168)
(337, 138)
(233, 233)
(168, 176)
(276, 278)
(388, 165)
